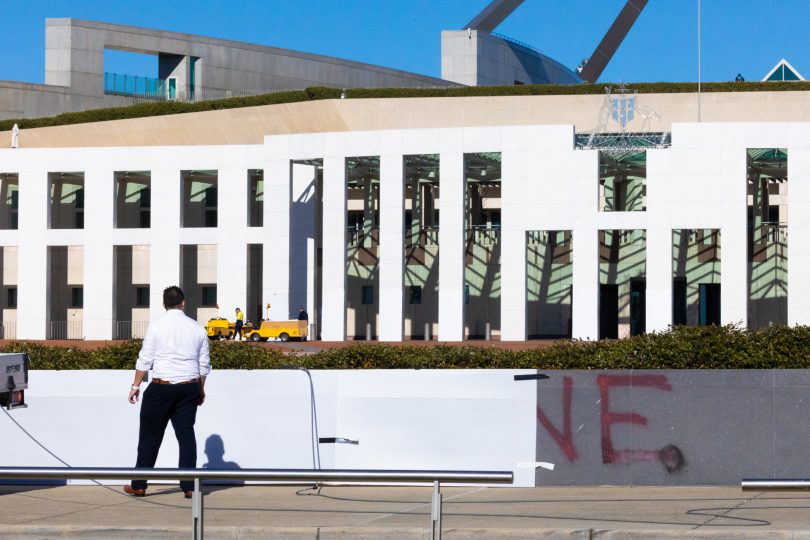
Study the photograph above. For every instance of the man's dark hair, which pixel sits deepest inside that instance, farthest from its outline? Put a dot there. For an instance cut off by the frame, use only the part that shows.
(172, 297)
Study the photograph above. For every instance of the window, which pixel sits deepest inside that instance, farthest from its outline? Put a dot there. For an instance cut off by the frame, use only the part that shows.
(11, 298)
(78, 222)
(466, 294)
(210, 207)
(622, 181)
(144, 208)
(209, 295)
(132, 199)
(77, 297)
(14, 205)
(255, 198)
(66, 205)
(416, 294)
(368, 294)
(142, 297)
(199, 198)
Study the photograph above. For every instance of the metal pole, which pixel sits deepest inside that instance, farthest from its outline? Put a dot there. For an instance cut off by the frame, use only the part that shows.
(368, 331)
(197, 511)
(427, 331)
(436, 512)
(487, 331)
(699, 61)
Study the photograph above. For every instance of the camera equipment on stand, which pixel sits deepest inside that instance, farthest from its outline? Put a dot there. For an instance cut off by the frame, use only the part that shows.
(13, 380)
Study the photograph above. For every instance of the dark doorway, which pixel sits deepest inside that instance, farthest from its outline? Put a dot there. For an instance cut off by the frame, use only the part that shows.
(679, 300)
(709, 304)
(608, 311)
(638, 306)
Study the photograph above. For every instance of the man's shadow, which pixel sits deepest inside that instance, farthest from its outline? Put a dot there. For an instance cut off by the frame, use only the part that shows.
(215, 451)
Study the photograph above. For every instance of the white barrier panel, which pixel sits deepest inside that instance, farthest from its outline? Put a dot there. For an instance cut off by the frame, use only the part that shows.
(403, 419)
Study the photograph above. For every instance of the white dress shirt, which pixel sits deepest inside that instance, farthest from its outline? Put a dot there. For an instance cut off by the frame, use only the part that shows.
(175, 348)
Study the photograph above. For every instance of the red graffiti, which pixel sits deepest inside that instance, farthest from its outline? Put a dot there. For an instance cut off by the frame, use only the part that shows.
(564, 440)
(670, 456)
(608, 417)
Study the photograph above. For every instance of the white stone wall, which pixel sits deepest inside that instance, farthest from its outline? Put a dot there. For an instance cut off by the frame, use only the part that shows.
(698, 183)
(403, 419)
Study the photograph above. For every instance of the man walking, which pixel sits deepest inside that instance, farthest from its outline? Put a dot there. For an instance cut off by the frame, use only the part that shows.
(176, 349)
(240, 321)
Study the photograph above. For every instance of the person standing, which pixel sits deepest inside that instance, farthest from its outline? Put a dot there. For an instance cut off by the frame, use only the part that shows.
(240, 321)
(303, 315)
(175, 348)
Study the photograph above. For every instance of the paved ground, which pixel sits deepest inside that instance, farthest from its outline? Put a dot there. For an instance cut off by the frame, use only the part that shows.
(397, 513)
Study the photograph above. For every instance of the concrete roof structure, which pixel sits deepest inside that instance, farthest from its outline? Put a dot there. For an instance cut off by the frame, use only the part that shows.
(194, 68)
(250, 125)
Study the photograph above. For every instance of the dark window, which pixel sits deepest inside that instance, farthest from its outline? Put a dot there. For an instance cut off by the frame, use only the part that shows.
(80, 198)
(210, 207)
(416, 294)
(466, 294)
(79, 216)
(209, 295)
(368, 294)
(210, 197)
(144, 207)
(11, 298)
(14, 203)
(142, 297)
(354, 221)
(679, 300)
(77, 297)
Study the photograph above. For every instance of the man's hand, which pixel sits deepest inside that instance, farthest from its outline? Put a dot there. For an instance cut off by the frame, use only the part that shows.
(133, 395)
(202, 397)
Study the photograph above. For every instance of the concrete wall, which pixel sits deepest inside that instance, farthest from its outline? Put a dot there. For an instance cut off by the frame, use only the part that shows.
(671, 427)
(74, 69)
(404, 419)
(251, 125)
(659, 427)
(478, 58)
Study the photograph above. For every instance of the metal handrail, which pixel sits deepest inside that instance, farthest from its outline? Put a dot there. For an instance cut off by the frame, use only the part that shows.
(775, 484)
(277, 475)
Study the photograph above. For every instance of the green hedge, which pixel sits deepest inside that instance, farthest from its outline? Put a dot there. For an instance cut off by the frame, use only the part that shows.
(681, 347)
(316, 93)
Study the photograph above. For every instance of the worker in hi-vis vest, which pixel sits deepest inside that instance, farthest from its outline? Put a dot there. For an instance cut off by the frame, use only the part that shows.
(240, 320)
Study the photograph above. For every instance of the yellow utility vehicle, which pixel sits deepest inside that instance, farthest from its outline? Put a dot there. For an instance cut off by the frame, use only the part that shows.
(221, 328)
(282, 330)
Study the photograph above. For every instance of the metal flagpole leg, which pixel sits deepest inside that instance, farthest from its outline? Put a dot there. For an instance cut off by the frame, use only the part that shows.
(197, 511)
(436, 513)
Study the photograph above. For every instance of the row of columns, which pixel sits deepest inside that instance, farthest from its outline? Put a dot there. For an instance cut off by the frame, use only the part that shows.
(99, 237)
(517, 174)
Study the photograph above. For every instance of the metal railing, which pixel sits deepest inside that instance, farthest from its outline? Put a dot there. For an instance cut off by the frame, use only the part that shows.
(147, 89)
(129, 329)
(273, 475)
(65, 330)
(775, 484)
(9, 330)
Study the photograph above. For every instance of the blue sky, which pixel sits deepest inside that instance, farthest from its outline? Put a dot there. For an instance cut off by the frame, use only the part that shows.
(745, 36)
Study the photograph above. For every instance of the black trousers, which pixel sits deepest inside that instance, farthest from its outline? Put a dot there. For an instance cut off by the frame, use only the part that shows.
(161, 403)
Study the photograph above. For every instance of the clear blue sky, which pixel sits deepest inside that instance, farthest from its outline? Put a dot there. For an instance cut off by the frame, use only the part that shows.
(745, 36)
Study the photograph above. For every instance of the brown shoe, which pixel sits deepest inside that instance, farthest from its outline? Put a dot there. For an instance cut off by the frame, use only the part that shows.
(128, 489)
(188, 494)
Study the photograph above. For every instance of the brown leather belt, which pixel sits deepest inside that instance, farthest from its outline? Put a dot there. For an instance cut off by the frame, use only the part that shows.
(164, 381)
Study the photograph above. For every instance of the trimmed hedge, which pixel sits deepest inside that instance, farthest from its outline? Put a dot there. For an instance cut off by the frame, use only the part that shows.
(161, 108)
(713, 347)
